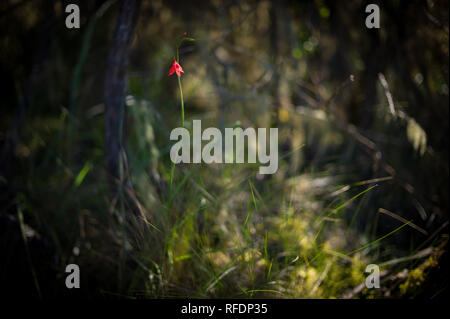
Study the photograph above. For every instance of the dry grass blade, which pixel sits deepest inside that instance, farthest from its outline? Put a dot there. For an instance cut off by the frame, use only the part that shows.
(387, 92)
(393, 215)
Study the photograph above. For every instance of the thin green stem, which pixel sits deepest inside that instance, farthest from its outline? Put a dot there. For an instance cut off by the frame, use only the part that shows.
(182, 101)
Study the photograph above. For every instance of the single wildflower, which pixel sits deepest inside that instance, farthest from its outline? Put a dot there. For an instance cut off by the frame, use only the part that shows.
(176, 68)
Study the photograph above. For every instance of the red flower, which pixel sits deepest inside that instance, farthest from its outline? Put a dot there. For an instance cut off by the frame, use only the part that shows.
(176, 68)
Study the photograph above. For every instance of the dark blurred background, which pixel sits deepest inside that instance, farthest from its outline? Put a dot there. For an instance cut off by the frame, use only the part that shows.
(85, 168)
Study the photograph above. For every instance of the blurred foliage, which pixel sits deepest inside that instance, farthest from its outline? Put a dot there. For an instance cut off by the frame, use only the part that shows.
(363, 125)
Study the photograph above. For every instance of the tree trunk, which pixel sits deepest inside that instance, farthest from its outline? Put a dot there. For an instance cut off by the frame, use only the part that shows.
(114, 93)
